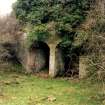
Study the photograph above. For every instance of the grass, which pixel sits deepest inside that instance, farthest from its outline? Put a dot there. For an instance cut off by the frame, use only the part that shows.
(20, 89)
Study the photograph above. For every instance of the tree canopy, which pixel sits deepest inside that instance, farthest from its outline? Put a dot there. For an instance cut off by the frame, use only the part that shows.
(65, 14)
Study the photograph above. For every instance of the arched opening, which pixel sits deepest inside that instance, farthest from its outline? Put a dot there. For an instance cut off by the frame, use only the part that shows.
(67, 62)
(39, 57)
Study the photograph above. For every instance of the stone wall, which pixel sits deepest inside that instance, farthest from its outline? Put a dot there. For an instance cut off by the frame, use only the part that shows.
(83, 65)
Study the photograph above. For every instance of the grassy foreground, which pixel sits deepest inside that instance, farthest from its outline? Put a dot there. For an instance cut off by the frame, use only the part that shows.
(20, 89)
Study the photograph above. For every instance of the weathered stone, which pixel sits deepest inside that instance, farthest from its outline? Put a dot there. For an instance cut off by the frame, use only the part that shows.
(37, 60)
(52, 70)
(83, 65)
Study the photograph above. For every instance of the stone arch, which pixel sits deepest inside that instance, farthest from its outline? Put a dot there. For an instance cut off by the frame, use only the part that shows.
(66, 65)
(38, 59)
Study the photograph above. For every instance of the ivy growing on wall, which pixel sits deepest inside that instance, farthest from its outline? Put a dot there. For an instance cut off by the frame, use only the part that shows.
(39, 32)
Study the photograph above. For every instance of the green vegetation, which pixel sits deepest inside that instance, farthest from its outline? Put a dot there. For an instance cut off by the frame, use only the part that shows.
(20, 89)
(65, 15)
(42, 19)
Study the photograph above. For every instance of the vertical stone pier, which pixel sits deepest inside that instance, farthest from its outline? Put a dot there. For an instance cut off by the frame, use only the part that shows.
(83, 65)
(29, 62)
(52, 67)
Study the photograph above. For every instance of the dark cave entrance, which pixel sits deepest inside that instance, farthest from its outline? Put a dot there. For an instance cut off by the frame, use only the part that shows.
(67, 64)
(39, 52)
(71, 66)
